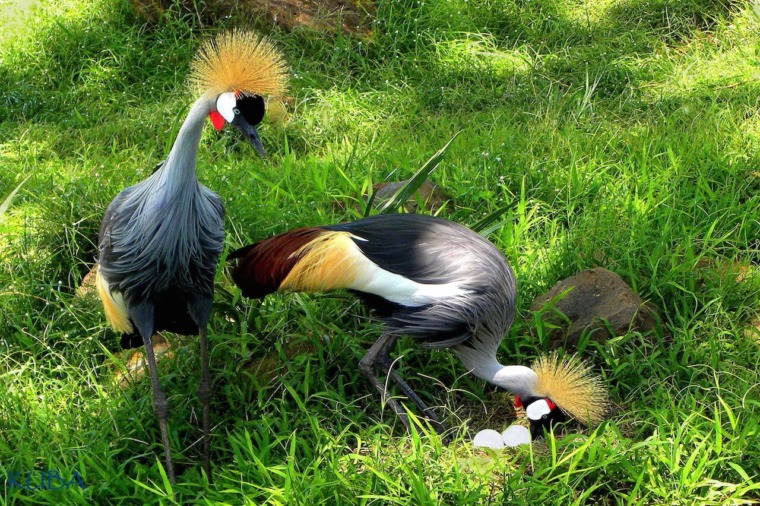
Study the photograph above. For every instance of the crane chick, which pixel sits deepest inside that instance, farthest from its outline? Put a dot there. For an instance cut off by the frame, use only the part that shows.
(160, 240)
(429, 279)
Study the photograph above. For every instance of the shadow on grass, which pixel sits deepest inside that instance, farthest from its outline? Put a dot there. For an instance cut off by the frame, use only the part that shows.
(606, 50)
(82, 68)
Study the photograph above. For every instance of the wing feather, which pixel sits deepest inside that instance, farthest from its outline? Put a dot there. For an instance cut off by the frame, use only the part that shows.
(430, 279)
(263, 266)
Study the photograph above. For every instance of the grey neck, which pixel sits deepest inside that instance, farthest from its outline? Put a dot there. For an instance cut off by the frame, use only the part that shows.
(179, 167)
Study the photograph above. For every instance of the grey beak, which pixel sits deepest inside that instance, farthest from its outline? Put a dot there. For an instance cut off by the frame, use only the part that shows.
(251, 134)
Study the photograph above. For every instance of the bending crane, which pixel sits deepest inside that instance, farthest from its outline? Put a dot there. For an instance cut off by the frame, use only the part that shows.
(430, 279)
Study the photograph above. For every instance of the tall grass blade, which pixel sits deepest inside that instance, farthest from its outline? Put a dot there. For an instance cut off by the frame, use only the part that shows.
(413, 184)
(489, 224)
(7, 202)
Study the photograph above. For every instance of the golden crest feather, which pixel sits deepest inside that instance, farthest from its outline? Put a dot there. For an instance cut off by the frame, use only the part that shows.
(239, 61)
(572, 386)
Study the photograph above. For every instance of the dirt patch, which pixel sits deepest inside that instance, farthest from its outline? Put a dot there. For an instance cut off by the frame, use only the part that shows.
(135, 363)
(350, 16)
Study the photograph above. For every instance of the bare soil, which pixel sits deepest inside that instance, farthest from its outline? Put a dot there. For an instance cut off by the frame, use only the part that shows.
(349, 16)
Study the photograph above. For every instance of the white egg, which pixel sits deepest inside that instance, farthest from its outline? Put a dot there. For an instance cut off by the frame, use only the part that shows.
(488, 438)
(516, 435)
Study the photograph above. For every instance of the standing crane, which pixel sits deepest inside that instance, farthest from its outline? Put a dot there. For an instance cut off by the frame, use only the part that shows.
(160, 240)
(430, 279)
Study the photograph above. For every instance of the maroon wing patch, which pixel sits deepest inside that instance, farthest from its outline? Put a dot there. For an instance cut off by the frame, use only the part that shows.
(264, 265)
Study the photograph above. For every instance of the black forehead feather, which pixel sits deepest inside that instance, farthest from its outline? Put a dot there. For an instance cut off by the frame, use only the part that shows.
(252, 108)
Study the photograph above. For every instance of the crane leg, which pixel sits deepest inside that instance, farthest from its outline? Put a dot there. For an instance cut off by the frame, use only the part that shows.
(160, 405)
(367, 367)
(404, 386)
(204, 394)
(386, 365)
(379, 357)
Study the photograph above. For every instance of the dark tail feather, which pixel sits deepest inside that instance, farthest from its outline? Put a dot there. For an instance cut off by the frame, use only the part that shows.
(264, 265)
(240, 252)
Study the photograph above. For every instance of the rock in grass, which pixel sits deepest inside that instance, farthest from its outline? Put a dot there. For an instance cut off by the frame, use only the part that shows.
(135, 366)
(599, 302)
(87, 290)
(267, 368)
(429, 195)
(753, 330)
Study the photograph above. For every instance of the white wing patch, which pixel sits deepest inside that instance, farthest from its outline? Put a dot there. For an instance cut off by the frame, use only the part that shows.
(371, 278)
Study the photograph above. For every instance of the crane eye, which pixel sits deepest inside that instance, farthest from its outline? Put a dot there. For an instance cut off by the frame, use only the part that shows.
(236, 111)
(225, 105)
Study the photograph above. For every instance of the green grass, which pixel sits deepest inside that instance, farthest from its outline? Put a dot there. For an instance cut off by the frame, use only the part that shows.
(620, 133)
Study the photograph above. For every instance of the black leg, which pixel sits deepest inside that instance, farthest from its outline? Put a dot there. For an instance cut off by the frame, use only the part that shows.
(200, 310)
(404, 386)
(378, 356)
(142, 316)
(367, 367)
(160, 405)
(204, 394)
(385, 363)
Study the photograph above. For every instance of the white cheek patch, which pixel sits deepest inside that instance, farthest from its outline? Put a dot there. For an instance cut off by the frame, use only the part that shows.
(225, 104)
(537, 410)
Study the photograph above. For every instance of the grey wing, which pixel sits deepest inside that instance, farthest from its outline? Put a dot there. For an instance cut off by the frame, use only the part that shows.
(211, 214)
(432, 250)
(109, 218)
(215, 203)
(421, 248)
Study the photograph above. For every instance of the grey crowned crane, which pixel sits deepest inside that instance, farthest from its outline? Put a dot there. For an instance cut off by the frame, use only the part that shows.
(160, 240)
(432, 280)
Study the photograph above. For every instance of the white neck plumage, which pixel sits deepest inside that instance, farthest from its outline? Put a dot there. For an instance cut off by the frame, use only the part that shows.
(518, 379)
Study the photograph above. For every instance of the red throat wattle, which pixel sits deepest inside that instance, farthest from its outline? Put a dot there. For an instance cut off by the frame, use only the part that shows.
(216, 119)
